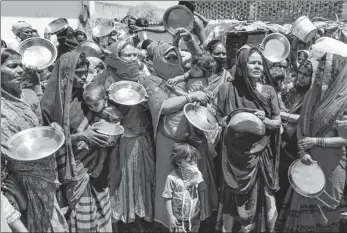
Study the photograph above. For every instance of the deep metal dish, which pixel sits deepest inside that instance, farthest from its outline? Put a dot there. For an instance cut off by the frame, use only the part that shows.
(57, 26)
(318, 177)
(115, 131)
(176, 17)
(90, 49)
(103, 29)
(246, 122)
(37, 52)
(201, 117)
(127, 93)
(276, 47)
(35, 143)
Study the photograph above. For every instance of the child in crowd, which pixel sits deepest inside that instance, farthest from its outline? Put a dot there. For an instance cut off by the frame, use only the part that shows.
(95, 97)
(182, 188)
(10, 217)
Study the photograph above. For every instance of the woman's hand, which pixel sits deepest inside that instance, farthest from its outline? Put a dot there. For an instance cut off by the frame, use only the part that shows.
(32, 74)
(56, 126)
(184, 33)
(173, 222)
(92, 136)
(260, 115)
(175, 80)
(306, 159)
(199, 96)
(261, 47)
(137, 29)
(307, 143)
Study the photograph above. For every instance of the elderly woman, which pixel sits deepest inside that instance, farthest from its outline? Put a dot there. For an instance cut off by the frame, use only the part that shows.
(133, 199)
(319, 141)
(22, 30)
(86, 198)
(170, 125)
(292, 99)
(30, 186)
(250, 178)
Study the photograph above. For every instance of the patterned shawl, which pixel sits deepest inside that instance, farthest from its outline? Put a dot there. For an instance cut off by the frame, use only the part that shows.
(327, 100)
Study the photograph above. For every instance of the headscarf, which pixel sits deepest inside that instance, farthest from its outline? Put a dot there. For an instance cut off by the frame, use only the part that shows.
(20, 26)
(125, 70)
(151, 47)
(94, 62)
(242, 83)
(164, 69)
(55, 105)
(327, 98)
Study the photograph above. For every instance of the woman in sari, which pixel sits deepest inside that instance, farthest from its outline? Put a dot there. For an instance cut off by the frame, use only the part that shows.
(319, 141)
(292, 99)
(30, 186)
(133, 199)
(250, 179)
(170, 126)
(85, 198)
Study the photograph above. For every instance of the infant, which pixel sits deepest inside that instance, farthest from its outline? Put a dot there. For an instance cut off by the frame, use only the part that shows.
(95, 97)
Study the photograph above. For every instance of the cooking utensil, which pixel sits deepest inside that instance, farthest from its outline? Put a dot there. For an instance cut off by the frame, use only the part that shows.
(276, 47)
(103, 29)
(35, 143)
(200, 117)
(304, 29)
(177, 17)
(114, 130)
(57, 26)
(308, 181)
(127, 93)
(37, 52)
(90, 49)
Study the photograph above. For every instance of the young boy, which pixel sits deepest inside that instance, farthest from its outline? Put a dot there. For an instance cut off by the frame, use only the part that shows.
(95, 97)
(181, 191)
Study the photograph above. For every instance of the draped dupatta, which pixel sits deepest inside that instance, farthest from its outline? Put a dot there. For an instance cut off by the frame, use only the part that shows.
(55, 105)
(327, 100)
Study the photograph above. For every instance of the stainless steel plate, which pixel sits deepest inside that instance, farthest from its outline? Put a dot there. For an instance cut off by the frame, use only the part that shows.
(276, 47)
(37, 52)
(127, 93)
(90, 49)
(35, 143)
(177, 17)
(57, 26)
(201, 118)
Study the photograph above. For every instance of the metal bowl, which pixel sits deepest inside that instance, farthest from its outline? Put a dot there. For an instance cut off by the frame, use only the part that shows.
(247, 122)
(103, 29)
(177, 17)
(35, 143)
(57, 26)
(276, 47)
(115, 131)
(90, 49)
(308, 181)
(201, 118)
(127, 93)
(37, 52)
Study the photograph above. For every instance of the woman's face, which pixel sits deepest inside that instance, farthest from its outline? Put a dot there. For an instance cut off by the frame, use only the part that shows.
(129, 53)
(219, 51)
(171, 56)
(81, 75)
(304, 76)
(255, 66)
(12, 74)
(301, 57)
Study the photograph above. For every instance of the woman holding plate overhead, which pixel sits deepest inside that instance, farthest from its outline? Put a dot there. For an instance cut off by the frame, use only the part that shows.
(132, 198)
(30, 186)
(250, 171)
(320, 141)
(86, 198)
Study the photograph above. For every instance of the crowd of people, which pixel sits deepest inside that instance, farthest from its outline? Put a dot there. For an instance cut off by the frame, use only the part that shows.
(164, 172)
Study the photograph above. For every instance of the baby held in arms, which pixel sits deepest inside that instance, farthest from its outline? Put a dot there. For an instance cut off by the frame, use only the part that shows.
(96, 98)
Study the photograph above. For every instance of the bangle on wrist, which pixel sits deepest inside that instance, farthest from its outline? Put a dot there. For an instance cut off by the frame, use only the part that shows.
(188, 98)
(186, 76)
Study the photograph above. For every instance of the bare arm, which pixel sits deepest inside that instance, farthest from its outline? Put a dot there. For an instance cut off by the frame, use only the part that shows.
(174, 104)
(168, 205)
(292, 118)
(335, 142)
(160, 29)
(18, 226)
(77, 137)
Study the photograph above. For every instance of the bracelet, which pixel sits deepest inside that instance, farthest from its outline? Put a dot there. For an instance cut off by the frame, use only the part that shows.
(185, 76)
(189, 100)
(321, 142)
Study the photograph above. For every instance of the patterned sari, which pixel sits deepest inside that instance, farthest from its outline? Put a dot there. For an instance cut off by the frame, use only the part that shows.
(86, 198)
(36, 178)
(325, 103)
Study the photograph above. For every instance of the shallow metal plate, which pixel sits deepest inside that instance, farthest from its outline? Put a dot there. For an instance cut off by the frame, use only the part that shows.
(201, 118)
(90, 49)
(276, 47)
(103, 29)
(127, 93)
(308, 181)
(35, 143)
(37, 52)
(177, 17)
(57, 26)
